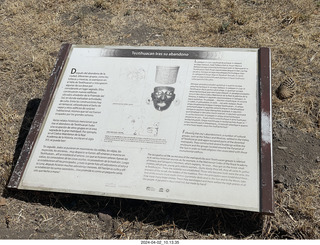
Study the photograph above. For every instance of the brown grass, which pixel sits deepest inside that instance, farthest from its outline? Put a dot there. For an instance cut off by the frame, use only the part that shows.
(32, 31)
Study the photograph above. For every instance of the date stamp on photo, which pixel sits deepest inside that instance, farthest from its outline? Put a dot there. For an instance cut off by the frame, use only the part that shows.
(160, 242)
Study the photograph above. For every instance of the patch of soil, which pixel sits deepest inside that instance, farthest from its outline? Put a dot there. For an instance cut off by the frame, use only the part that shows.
(295, 154)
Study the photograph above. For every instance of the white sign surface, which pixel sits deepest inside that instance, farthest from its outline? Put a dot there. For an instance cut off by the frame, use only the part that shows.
(169, 124)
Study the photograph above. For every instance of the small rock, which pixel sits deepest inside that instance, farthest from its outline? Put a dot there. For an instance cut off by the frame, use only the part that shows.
(104, 217)
(3, 201)
(318, 159)
(108, 222)
(282, 148)
(281, 179)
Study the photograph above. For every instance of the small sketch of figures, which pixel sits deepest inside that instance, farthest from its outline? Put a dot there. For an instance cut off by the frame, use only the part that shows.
(153, 130)
(162, 97)
(131, 127)
(140, 126)
(136, 74)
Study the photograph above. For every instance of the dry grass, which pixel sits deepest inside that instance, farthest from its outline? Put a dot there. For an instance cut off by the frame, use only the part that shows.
(298, 210)
(32, 31)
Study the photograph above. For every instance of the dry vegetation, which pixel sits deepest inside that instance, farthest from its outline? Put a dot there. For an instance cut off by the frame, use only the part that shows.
(31, 33)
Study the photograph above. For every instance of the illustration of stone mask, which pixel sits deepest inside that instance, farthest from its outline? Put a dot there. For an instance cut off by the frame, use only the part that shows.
(162, 97)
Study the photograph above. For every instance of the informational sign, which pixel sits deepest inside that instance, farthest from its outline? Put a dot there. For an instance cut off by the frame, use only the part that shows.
(183, 125)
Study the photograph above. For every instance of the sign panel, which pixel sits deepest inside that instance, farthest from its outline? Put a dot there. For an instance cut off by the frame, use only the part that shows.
(168, 124)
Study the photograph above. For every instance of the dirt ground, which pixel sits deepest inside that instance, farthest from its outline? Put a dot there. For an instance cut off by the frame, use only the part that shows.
(31, 33)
